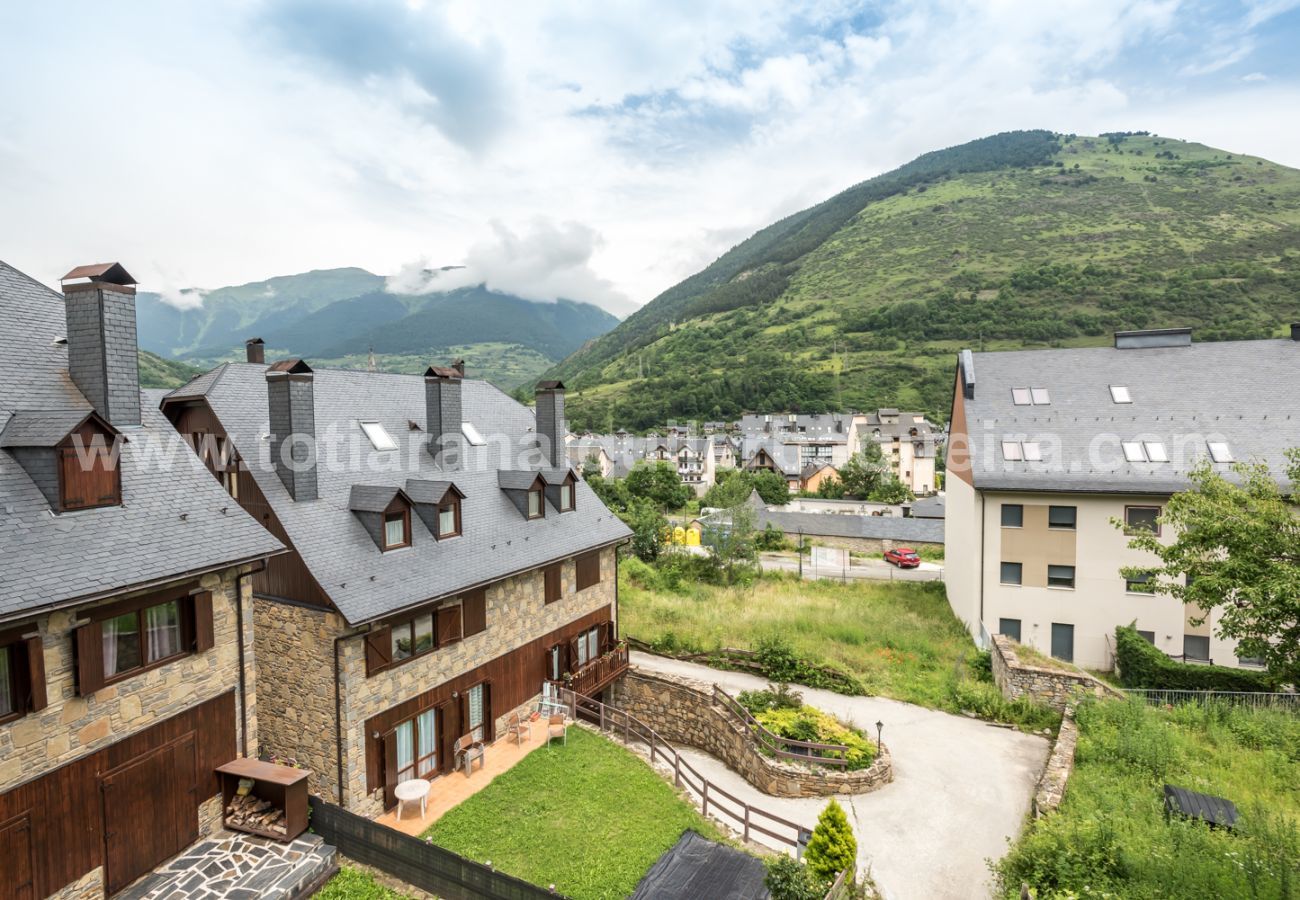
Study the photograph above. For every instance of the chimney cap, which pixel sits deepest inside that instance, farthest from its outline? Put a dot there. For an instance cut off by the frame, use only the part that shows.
(289, 367)
(550, 386)
(441, 372)
(112, 273)
(254, 341)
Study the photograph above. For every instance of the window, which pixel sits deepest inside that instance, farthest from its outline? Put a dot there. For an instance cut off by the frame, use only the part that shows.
(1251, 662)
(417, 746)
(1148, 636)
(230, 481)
(1120, 394)
(1220, 452)
(472, 434)
(405, 737)
(1156, 451)
(587, 570)
(553, 585)
(1011, 451)
(1021, 397)
(449, 518)
(122, 644)
(1143, 583)
(1133, 451)
(1010, 628)
(1196, 646)
(397, 529)
(1040, 396)
(88, 475)
(151, 634)
(8, 682)
(566, 496)
(380, 439)
(1012, 572)
(555, 662)
(1060, 576)
(412, 637)
(588, 644)
(1062, 517)
(477, 708)
(1033, 451)
(535, 509)
(1013, 515)
(1142, 517)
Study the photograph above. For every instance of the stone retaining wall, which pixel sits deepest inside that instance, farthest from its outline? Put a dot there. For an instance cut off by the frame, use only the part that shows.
(1057, 688)
(1051, 786)
(682, 711)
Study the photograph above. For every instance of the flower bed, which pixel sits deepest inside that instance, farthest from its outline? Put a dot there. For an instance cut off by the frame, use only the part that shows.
(782, 712)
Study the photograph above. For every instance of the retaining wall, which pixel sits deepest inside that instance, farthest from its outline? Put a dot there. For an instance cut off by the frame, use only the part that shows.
(1057, 688)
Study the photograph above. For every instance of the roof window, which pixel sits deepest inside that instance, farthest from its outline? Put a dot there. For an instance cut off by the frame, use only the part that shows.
(1033, 451)
(1133, 451)
(1119, 394)
(379, 437)
(1145, 451)
(472, 434)
(1030, 396)
(1156, 451)
(1220, 452)
(1011, 451)
(1040, 395)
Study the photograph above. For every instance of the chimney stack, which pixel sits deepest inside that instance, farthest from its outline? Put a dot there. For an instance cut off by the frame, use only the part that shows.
(291, 401)
(103, 357)
(551, 428)
(443, 414)
(459, 366)
(256, 350)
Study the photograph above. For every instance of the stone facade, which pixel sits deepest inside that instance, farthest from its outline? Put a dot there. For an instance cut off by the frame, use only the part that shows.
(1056, 688)
(682, 711)
(72, 726)
(1051, 786)
(296, 653)
(88, 887)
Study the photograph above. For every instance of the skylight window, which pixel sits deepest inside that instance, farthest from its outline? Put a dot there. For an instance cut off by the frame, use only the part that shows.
(1156, 451)
(1021, 396)
(1133, 451)
(1220, 452)
(1030, 396)
(380, 439)
(1040, 395)
(1119, 394)
(1033, 451)
(1145, 451)
(472, 434)
(1011, 451)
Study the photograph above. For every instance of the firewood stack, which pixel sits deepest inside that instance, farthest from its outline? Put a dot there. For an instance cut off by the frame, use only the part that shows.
(249, 811)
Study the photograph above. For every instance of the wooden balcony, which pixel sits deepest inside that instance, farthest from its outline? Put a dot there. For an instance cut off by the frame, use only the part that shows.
(599, 672)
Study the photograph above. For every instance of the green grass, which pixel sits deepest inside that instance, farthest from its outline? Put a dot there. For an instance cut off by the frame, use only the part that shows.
(897, 639)
(589, 817)
(1109, 837)
(355, 884)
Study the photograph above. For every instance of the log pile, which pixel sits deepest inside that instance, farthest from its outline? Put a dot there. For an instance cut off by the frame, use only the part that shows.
(253, 812)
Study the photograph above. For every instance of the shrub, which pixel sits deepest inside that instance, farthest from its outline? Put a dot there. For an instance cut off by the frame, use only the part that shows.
(1141, 665)
(832, 848)
(789, 879)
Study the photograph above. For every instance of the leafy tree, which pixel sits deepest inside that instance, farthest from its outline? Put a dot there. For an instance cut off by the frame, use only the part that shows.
(831, 488)
(659, 483)
(591, 467)
(611, 491)
(731, 487)
(789, 879)
(770, 538)
(1236, 551)
(864, 472)
(648, 525)
(891, 490)
(731, 543)
(772, 487)
(832, 848)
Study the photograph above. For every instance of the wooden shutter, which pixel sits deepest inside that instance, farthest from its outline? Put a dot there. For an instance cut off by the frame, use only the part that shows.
(489, 722)
(609, 637)
(90, 658)
(475, 612)
(203, 638)
(379, 649)
(588, 573)
(554, 582)
(390, 766)
(36, 674)
(449, 625)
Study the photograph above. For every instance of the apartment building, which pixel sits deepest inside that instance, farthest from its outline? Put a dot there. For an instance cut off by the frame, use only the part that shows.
(1050, 448)
(908, 442)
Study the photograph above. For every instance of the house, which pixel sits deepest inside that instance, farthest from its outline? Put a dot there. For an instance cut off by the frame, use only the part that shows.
(814, 474)
(125, 604)
(1050, 448)
(806, 439)
(445, 561)
(908, 443)
(694, 458)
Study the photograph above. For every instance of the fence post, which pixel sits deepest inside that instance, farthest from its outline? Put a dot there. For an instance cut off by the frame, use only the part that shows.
(705, 796)
(652, 746)
(677, 769)
(602, 718)
(627, 725)
(746, 832)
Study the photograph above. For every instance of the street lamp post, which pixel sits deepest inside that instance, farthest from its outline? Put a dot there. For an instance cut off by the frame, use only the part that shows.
(880, 726)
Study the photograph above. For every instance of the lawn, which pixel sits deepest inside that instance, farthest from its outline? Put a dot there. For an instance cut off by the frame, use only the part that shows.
(897, 639)
(1110, 839)
(355, 884)
(589, 817)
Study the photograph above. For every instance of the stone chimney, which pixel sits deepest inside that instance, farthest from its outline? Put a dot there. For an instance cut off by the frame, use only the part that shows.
(103, 357)
(459, 366)
(256, 350)
(443, 414)
(551, 428)
(290, 395)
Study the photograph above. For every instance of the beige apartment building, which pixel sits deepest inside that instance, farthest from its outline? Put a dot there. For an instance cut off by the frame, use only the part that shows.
(1050, 449)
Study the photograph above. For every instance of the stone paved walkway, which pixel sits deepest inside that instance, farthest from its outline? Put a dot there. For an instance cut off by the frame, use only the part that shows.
(961, 788)
(239, 867)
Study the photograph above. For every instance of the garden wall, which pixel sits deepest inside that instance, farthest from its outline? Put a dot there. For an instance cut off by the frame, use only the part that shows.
(1051, 786)
(1056, 688)
(682, 711)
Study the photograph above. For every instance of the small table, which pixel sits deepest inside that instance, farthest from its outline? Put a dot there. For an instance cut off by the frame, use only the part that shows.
(407, 791)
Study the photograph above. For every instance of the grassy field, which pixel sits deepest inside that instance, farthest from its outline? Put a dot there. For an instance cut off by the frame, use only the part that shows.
(355, 884)
(898, 639)
(589, 817)
(1110, 839)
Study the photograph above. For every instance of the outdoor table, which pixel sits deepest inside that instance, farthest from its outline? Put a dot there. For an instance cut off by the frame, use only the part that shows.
(415, 789)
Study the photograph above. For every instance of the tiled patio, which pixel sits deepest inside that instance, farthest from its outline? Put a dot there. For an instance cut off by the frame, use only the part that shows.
(454, 788)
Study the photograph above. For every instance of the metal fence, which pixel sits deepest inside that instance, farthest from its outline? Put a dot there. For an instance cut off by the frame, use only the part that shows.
(428, 867)
(1257, 700)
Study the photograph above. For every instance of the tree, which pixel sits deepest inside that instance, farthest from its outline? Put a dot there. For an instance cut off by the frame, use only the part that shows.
(659, 483)
(891, 490)
(772, 487)
(831, 488)
(789, 879)
(591, 467)
(648, 525)
(864, 472)
(832, 847)
(611, 491)
(731, 542)
(1236, 550)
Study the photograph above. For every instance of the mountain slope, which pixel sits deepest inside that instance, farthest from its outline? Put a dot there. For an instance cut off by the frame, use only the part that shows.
(156, 372)
(1021, 239)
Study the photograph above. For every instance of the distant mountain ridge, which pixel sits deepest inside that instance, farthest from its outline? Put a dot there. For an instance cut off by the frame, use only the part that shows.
(338, 316)
(1020, 239)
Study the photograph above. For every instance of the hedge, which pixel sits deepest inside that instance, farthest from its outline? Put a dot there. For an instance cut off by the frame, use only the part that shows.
(1141, 665)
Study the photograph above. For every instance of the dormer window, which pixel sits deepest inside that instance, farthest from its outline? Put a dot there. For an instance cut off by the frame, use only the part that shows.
(449, 518)
(566, 497)
(385, 513)
(527, 490)
(535, 508)
(71, 455)
(438, 504)
(397, 529)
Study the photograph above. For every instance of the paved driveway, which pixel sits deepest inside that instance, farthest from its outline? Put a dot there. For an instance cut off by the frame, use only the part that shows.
(961, 788)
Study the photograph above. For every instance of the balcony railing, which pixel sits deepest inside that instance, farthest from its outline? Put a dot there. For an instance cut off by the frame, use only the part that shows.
(599, 672)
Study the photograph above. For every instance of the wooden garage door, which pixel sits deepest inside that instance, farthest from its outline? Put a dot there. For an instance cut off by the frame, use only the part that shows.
(150, 812)
(16, 852)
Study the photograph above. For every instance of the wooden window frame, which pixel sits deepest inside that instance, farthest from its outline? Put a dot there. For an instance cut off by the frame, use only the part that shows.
(573, 495)
(541, 503)
(26, 672)
(1134, 528)
(408, 622)
(196, 629)
(415, 740)
(389, 515)
(454, 504)
(66, 450)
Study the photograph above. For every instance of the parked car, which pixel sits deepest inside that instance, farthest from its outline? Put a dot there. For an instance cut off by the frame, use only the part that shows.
(903, 557)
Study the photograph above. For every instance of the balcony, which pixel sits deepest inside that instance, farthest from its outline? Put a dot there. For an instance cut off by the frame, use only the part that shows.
(593, 677)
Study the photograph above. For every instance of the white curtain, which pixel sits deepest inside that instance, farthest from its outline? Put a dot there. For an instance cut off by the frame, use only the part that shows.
(6, 684)
(164, 624)
(476, 711)
(405, 746)
(427, 751)
(109, 632)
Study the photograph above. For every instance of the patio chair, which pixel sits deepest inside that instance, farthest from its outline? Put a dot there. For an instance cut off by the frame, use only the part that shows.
(551, 702)
(466, 750)
(557, 727)
(519, 728)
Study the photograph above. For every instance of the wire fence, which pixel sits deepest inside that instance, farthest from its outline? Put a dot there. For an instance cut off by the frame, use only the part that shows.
(1256, 700)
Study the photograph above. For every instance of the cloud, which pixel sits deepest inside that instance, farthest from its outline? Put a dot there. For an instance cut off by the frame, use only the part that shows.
(545, 262)
(182, 298)
(1254, 76)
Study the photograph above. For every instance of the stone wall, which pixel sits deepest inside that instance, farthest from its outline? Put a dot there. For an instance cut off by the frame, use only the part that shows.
(682, 711)
(866, 545)
(88, 887)
(1051, 786)
(1052, 687)
(71, 726)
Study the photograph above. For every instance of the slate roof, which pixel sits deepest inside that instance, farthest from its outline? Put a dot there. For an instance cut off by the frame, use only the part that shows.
(363, 583)
(929, 507)
(40, 428)
(48, 560)
(372, 498)
(1241, 392)
(893, 528)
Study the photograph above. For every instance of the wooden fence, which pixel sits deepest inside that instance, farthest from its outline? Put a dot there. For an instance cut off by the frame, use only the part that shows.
(782, 747)
(428, 867)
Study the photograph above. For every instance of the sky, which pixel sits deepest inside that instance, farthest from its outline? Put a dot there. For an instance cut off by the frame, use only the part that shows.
(600, 152)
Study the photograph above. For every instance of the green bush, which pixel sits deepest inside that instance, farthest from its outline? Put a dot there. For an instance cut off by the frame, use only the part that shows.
(781, 664)
(1141, 665)
(832, 847)
(789, 879)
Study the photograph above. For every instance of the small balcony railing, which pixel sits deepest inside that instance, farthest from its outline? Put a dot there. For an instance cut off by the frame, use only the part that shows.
(592, 677)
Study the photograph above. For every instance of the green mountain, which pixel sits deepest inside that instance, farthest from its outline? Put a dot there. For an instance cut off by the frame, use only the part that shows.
(156, 372)
(1023, 239)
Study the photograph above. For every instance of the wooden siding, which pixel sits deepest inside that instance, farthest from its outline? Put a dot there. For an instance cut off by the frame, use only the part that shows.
(63, 807)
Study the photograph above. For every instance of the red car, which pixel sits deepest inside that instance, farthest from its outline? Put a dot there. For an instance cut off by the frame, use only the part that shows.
(903, 557)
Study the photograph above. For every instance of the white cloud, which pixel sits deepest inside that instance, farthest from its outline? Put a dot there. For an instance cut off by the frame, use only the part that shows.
(1254, 76)
(182, 298)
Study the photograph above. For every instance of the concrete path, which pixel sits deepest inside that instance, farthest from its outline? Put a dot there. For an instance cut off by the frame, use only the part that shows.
(961, 788)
